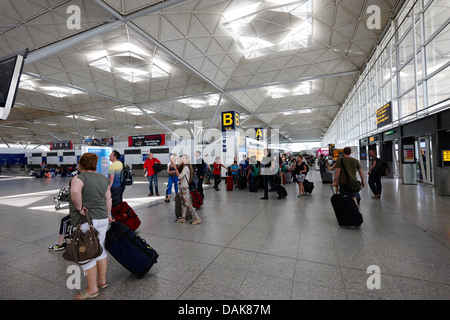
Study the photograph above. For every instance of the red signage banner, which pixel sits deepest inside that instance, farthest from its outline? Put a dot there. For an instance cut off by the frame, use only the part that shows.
(147, 140)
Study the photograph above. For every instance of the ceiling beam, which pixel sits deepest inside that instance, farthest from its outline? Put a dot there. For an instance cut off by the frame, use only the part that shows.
(46, 131)
(56, 47)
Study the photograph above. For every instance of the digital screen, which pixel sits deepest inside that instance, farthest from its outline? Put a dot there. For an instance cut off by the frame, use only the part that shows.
(10, 72)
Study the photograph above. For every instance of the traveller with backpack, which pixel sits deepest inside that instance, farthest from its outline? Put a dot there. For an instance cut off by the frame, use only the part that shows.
(376, 171)
(115, 175)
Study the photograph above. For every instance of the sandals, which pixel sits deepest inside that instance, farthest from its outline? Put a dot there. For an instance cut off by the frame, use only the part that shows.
(196, 221)
(85, 295)
(180, 220)
(102, 286)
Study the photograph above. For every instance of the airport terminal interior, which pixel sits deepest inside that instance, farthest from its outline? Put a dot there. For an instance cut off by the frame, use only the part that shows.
(232, 78)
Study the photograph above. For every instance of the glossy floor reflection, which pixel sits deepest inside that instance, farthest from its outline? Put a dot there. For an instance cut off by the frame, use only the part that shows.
(245, 248)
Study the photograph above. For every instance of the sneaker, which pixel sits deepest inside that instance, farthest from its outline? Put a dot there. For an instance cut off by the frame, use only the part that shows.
(57, 247)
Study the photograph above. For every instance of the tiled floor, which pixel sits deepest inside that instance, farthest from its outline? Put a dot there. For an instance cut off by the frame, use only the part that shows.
(245, 248)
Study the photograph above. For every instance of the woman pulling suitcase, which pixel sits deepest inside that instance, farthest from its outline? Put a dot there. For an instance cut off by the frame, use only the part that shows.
(184, 177)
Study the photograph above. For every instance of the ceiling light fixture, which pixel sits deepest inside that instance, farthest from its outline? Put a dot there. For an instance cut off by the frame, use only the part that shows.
(270, 26)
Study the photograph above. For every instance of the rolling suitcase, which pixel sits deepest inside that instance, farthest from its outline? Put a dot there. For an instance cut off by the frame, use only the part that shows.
(346, 210)
(308, 185)
(130, 250)
(229, 183)
(197, 199)
(242, 182)
(123, 213)
(287, 177)
(178, 212)
(327, 177)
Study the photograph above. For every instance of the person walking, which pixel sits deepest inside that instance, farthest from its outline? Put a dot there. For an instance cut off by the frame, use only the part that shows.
(90, 192)
(200, 171)
(300, 172)
(150, 173)
(114, 174)
(374, 177)
(185, 176)
(350, 166)
(217, 173)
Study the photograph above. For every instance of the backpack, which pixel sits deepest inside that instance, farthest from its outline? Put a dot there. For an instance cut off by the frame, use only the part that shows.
(126, 176)
(382, 168)
(193, 184)
(255, 172)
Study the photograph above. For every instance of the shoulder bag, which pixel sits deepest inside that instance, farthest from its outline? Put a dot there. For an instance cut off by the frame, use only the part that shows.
(83, 246)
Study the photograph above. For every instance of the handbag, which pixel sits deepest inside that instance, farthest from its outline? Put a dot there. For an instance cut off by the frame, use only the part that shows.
(83, 246)
(352, 185)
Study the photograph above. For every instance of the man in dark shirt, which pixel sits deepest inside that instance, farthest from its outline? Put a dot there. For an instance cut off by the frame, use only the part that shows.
(350, 166)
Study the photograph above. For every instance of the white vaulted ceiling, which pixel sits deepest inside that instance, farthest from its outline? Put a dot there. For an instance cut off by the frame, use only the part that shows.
(143, 66)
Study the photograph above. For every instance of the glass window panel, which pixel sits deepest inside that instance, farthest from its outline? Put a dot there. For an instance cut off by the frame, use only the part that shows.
(439, 87)
(394, 87)
(406, 76)
(387, 93)
(420, 101)
(404, 19)
(405, 48)
(386, 71)
(408, 104)
(438, 51)
(394, 57)
(419, 73)
(394, 107)
(418, 35)
(435, 16)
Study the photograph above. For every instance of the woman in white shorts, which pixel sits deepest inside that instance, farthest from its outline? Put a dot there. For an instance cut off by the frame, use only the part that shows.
(90, 192)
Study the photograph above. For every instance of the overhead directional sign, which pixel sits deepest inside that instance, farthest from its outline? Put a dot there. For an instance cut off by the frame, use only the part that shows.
(384, 115)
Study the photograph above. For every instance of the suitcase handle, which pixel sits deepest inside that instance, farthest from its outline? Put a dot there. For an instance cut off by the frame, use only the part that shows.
(332, 190)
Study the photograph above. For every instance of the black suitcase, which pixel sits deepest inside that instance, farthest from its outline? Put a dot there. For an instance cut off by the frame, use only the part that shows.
(280, 190)
(327, 177)
(346, 211)
(130, 250)
(242, 182)
(308, 185)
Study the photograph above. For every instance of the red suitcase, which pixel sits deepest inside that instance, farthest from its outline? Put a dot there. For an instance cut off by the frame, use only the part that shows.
(197, 199)
(230, 183)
